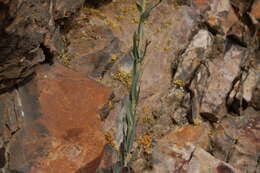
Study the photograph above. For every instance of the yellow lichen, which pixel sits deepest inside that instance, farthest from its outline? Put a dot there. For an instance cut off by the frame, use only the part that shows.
(110, 104)
(129, 157)
(168, 23)
(119, 18)
(147, 118)
(210, 134)
(123, 77)
(158, 47)
(146, 143)
(180, 83)
(110, 141)
(113, 58)
(180, 92)
(66, 59)
(132, 7)
(169, 41)
(135, 20)
(197, 121)
(167, 48)
(111, 23)
(122, 10)
(93, 11)
(158, 29)
(87, 38)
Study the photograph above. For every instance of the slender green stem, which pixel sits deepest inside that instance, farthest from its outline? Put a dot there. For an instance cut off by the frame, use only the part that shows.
(124, 153)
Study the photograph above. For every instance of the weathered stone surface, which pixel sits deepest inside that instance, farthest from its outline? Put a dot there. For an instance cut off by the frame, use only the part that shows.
(203, 162)
(256, 93)
(192, 72)
(236, 141)
(66, 8)
(221, 15)
(10, 121)
(194, 66)
(255, 11)
(243, 90)
(173, 151)
(29, 36)
(256, 96)
(196, 135)
(197, 51)
(182, 151)
(104, 49)
(61, 129)
(103, 36)
(242, 6)
(91, 48)
(158, 63)
(223, 72)
(202, 5)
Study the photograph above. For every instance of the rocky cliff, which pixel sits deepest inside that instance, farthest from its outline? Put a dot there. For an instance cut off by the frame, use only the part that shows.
(64, 75)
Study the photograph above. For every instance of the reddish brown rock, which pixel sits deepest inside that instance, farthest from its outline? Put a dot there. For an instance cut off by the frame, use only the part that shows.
(183, 150)
(203, 162)
(197, 135)
(255, 11)
(61, 132)
(30, 35)
(202, 4)
(91, 49)
(173, 152)
(237, 141)
(221, 15)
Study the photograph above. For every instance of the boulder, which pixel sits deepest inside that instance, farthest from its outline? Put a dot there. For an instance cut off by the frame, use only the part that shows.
(60, 128)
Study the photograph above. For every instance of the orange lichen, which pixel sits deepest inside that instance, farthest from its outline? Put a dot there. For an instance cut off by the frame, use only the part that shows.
(212, 21)
(146, 143)
(145, 109)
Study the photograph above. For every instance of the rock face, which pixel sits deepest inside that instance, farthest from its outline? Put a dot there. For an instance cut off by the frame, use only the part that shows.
(197, 69)
(255, 10)
(57, 132)
(183, 150)
(30, 35)
(223, 72)
(199, 102)
(236, 141)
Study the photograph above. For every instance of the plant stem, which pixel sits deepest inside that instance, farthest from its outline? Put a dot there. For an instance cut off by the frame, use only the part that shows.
(124, 153)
